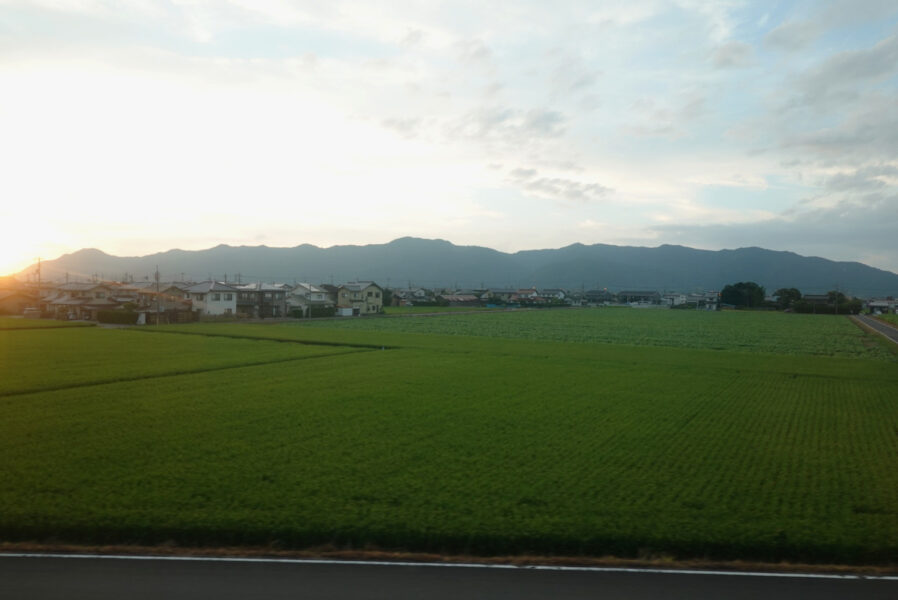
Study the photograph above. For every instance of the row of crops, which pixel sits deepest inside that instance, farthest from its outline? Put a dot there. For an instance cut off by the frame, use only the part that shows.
(446, 444)
(741, 331)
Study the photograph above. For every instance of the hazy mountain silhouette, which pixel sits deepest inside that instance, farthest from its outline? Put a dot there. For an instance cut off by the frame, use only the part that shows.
(438, 263)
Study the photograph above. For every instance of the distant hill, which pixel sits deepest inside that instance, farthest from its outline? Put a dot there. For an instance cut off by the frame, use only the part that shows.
(437, 263)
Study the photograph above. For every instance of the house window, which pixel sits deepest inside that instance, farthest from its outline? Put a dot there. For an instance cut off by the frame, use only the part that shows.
(227, 311)
(370, 294)
(377, 294)
(216, 297)
(229, 297)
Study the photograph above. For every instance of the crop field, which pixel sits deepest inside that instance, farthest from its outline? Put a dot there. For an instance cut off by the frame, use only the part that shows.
(451, 443)
(892, 319)
(742, 331)
(17, 323)
(417, 310)
(32, 360)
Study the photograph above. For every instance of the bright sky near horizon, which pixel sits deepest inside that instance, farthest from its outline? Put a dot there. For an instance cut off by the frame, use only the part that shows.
(136, 126)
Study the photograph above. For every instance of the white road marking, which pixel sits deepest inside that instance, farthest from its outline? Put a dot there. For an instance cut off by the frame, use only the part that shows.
(384, 563)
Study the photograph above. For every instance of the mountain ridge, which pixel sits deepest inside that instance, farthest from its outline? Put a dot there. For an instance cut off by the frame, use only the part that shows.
(439, 263)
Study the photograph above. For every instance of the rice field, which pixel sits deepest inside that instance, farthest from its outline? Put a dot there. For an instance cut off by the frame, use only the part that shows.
(449, 443)
(20, 323)
(741, 331)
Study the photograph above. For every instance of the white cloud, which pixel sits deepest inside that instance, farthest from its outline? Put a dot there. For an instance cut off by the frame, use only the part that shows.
(348, 122)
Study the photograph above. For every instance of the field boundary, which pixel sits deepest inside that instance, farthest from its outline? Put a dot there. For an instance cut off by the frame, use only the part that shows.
(272, 339)
(380, 557)
(174, 373)
(33, 328)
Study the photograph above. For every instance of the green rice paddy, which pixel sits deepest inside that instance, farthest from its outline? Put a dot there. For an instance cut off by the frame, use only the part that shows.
(508, 441)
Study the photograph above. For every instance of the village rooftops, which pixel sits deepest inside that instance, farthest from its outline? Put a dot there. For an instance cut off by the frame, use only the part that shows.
(80, 286)
(261, 287)
(358, 286)
(209, 286)
(305, 288)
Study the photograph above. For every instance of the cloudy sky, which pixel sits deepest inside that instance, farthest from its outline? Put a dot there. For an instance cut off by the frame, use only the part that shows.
(137, 126)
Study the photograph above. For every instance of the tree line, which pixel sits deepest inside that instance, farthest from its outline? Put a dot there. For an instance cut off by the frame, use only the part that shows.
(748, 294)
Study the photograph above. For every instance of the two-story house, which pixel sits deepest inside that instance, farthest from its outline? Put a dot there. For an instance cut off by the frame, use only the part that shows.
(360, 298)
(212, 298)
(262, 300)
(304, 296)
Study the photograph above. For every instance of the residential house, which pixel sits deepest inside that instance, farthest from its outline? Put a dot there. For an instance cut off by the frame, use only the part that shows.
(360, 298)
(602, 296)
(460, 299)
(639, 297)
(212, 298)
(553, 293)
(14, 302)
(883, 306)
(330, 291)
(79, 300)
(302, 296)
(262, 300)
(500, 295)
(674, 299)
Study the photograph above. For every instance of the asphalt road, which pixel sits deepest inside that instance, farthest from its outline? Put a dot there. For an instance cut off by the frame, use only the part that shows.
(886, 330)
(47, 578)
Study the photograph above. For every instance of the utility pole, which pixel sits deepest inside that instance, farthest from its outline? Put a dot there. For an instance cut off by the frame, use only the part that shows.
(156, 276)
(38, 283)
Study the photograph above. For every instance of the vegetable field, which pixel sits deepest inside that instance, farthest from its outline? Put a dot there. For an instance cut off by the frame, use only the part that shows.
(449, 443)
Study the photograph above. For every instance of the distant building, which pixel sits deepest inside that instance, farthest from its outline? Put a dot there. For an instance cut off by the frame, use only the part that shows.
(639, 297)
(597, 296)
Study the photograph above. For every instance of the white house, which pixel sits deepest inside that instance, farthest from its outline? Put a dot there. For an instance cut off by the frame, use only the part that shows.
(212, 298)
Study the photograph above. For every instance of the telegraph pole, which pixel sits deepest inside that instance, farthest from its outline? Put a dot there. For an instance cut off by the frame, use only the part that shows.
(38, 283)
(156, 276)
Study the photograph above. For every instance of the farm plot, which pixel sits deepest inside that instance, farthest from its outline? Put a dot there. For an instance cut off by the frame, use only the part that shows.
(891, 319)
(509, 446)
(743, 331)
(16, 323)
(32, 360)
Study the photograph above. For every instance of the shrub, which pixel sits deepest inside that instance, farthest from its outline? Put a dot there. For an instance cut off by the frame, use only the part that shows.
(118, 317)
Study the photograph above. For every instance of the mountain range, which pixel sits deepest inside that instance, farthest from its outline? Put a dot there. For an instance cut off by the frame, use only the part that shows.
(413, 262)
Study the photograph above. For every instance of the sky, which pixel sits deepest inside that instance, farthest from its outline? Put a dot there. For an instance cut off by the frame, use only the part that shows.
(137, 126)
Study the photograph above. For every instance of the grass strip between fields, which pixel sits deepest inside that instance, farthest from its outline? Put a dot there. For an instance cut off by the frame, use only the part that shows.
(286, 340)
(175, 373)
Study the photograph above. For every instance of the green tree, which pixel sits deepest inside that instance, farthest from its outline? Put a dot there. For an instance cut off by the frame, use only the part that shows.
(836, 298)
(745, 293)
(787, 297)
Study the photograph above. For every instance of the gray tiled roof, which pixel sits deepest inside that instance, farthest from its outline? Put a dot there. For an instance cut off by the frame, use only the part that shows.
(209, 286)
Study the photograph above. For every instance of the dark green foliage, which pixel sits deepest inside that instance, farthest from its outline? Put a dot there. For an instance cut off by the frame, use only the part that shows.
(787, 297)
(837, 304)
(118, 317)
(746, 294)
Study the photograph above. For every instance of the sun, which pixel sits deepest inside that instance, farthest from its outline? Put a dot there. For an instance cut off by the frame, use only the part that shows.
(18, 250)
